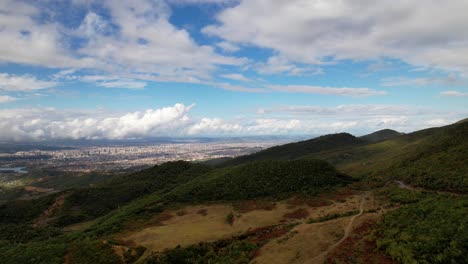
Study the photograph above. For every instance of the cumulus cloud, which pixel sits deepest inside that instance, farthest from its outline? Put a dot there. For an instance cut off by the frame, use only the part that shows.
(344, 91)
(148, 43)
(23, 83)
(45, 123)
(29, 42)
(49, 123)
(136, 37)
(315, 31)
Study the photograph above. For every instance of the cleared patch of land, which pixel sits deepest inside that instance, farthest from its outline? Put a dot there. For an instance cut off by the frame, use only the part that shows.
(193, 224)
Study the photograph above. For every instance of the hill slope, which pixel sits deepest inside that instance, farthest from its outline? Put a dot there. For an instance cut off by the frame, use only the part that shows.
(433, 158)
(299, 149)
(381, 135)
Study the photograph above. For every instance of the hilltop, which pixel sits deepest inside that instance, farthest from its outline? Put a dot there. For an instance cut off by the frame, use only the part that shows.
(299, 149)
(381, 135)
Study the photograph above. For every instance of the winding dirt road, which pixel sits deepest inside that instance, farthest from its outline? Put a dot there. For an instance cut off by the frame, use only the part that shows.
(321, 258)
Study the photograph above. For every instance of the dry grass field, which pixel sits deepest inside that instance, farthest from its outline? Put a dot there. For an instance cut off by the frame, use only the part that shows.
(194, 224)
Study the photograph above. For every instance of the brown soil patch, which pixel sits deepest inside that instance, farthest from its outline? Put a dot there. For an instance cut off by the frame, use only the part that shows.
(37, 189)
(203, 212)
(181, 213)
(157, 220)
(119, 251)
(67, 259)
(307, 242)
(359, 247)
(297, 214)
(264, 234)
(252, 205)
(46, 215)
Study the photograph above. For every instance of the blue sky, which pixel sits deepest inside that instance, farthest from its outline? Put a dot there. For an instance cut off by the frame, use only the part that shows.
(131, 69)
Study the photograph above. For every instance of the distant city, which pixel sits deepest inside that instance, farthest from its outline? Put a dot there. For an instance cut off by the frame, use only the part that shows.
(113, 157)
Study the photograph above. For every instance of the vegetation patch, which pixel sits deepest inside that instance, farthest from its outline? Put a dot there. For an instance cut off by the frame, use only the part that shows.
(432, 230)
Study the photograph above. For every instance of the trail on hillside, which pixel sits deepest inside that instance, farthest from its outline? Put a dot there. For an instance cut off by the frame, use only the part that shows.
(44, 217)
(320, 258)
(406, 186)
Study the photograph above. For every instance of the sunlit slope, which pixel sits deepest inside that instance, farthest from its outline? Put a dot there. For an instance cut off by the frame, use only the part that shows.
(299, 149)
(433, 158)
(381, 135)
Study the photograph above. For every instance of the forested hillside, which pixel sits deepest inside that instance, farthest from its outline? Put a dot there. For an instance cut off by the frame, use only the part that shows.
(300, 149)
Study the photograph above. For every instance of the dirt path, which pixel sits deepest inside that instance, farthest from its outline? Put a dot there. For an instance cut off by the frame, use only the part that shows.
(321, 258)
(403, 185)
(42, 220)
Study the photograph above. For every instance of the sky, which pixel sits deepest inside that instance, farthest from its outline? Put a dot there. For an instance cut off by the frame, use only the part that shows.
(105, 69)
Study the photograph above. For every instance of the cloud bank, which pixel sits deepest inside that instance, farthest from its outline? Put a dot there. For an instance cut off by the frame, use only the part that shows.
(48, 123)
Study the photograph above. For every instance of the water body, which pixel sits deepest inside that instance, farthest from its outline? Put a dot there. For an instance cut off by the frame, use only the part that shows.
(14, 170)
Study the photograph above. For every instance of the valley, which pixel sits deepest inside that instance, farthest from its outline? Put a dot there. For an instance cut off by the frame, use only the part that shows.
(332, 199)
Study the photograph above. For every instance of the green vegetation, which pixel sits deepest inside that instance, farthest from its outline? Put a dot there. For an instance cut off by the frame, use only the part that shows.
(224, 251)
(92, 202)
(260, 179)
(432, 158)
(277, 179)
(429, 230)
(425, 228)
(381, 135)
(299, 149)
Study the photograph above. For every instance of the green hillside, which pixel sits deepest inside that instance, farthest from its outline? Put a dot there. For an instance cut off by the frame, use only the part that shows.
(299, 149)
(275, 179)
(381, 135)
(260, 179)
(433, 158)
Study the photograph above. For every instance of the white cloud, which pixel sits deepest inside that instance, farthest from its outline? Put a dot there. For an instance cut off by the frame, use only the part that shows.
(227, 46)
(93, 24)
(280, 64)
(344, 110)
(29, 42)
(7, 99)
(431, 34)
(423, 81)
(454, 93)
(213, 126)
(343, 91)
(129, 84)
(43, 124)
(239, 88)
(192, 2)
(147, 42)
(23, 83)
(48, 123)
(438, 122)
(236, 77)
(136, 38)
